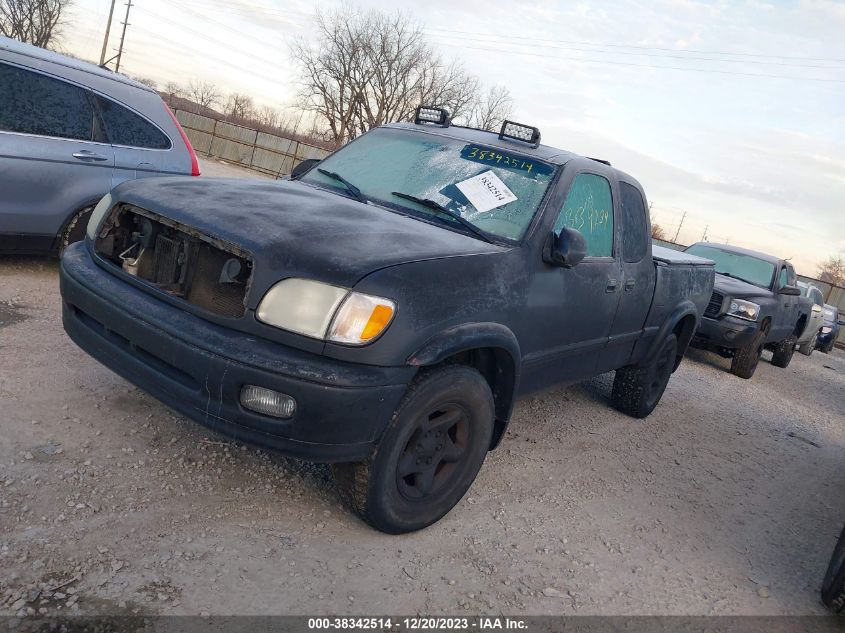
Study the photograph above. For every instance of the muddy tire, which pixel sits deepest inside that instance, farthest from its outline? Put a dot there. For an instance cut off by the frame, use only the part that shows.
(429, 454)
(637, 390)
(746, 359)
(74, 230)
(808, 347)
(784, 352)
(833, 586)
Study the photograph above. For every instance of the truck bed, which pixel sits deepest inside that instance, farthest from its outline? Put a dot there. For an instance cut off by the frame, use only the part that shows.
(663, 255)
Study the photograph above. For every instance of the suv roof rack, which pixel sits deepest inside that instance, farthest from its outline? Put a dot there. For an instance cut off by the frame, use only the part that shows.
(601, 160)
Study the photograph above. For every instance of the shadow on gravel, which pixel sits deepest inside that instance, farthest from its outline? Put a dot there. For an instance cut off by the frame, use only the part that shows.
(11, 314)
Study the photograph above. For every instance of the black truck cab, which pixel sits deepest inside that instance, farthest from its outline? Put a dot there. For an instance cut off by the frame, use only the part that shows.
(384, 309)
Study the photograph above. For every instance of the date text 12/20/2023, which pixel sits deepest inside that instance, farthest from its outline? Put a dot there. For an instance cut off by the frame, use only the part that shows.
(419, 623)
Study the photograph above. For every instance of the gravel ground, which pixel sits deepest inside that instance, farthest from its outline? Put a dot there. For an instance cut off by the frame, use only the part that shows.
(727, 500)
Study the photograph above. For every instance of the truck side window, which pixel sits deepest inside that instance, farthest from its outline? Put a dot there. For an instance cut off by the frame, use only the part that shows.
(37, 104)
(635, 235)
(589, 209)
(783, 281)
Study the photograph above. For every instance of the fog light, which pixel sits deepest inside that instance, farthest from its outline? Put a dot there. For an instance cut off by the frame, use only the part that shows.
(267, 401)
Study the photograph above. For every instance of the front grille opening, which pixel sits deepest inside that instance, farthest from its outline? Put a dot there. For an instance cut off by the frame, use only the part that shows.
(714, 306)
(178, 260)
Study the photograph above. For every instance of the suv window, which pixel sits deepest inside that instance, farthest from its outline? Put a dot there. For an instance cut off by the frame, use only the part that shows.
(589, 209)
(816, 296)
(44, 106)
(635, 235)
(124, 127)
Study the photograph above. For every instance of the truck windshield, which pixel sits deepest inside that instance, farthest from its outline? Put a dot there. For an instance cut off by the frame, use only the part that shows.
(740, 266)
(496, 190)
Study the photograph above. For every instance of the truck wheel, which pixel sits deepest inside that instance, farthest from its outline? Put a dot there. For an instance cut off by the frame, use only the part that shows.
(833, 586)
(637, 390)
(783, 352)
(808, 347)
(74, 230)
(746, 359)
(429, 455)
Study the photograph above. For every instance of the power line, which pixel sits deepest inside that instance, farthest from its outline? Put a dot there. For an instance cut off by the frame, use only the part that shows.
(679, 227)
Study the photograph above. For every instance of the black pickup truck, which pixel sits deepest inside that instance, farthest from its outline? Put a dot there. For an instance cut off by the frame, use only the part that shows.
(755, 305)
(384, 308)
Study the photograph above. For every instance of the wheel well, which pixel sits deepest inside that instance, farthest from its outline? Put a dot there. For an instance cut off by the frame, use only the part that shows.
(497, 367)
(683, 330)
(799, 327)
(70, 218)
(766, 325)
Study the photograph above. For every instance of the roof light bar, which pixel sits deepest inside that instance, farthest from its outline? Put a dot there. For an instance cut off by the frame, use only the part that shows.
(432, 114)
(519, 132)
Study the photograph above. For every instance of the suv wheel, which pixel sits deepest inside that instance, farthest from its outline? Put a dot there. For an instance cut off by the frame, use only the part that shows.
(833, 586)
(746, 359)
(74, 230)
(808, 347)
(783, 352)
(429, 455)
(637, 390)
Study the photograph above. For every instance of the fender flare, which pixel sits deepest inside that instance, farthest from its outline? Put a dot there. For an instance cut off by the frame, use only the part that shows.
(684, 309)
(472, 336)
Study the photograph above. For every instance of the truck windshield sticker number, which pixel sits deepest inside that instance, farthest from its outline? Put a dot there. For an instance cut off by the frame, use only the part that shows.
(486, 191)
(491, 156)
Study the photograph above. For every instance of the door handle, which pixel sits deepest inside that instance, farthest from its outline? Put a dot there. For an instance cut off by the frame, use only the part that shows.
(629, 284)
(612, 284)
(88, 155)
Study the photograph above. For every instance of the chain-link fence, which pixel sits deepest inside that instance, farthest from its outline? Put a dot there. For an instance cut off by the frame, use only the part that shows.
(266, 153)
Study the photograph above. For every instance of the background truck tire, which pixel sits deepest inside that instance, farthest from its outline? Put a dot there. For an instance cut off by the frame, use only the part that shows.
(637, 390)
(808, 347)
(833, 586)
(746, 359)
(784, 352)
(429, 454)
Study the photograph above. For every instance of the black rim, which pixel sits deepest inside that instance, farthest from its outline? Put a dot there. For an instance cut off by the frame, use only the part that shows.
(432, 455)
(661, 372)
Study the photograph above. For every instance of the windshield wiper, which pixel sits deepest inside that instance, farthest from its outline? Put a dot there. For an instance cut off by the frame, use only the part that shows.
(356, 193)
(726, 274)
(436, 206)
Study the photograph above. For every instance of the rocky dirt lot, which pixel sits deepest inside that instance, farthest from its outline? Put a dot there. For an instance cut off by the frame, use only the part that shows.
(727, 500)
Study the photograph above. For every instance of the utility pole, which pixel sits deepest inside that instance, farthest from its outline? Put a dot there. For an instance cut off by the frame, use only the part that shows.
(680, 224)
(106, 38)
(122, 36)
(704, 235)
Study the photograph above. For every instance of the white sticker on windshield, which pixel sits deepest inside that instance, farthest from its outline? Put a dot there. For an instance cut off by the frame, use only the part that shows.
(486, 191)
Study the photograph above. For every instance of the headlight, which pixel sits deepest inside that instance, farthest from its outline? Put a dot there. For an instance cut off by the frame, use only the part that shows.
(744, 309)
(826, 329)
(97, 215)
(816, 308)
(326, 312)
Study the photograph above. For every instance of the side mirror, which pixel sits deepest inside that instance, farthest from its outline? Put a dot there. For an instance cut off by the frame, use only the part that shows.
(565, 249)
(840, 322)
(790, 290)
(302, 167)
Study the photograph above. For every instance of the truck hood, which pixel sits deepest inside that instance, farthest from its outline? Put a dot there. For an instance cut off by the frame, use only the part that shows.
(739, 289)
(296, 230)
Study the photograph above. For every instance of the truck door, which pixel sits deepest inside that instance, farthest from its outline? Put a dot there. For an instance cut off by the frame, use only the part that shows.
(637, 280)
(788, 307)
(572, 309)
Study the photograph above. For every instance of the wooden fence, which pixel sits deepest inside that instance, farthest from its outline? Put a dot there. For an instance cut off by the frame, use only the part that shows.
(266, 153)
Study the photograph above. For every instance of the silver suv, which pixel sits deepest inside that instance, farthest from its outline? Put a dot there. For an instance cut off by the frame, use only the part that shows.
(70, 132)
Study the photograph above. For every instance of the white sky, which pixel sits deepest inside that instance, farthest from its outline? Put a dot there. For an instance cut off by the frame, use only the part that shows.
(760, 160)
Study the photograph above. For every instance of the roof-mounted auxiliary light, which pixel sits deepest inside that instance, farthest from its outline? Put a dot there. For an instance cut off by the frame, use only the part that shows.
(519, 132)
(432, 114)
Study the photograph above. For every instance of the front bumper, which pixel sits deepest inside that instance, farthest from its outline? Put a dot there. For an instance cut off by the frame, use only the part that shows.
(727, 332)
(824, 339)
(198, 368)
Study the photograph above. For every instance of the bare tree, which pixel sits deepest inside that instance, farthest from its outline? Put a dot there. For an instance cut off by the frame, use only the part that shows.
(657, 232)
(204, 94)
(35, 22)
(172, 91)
(268, 116)
(492, 109)
(832, 270)
(371, 68)
(147, 82)
(239, 106)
